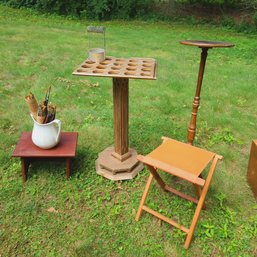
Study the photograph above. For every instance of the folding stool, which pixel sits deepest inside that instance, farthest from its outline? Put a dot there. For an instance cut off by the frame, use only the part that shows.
(186, 162)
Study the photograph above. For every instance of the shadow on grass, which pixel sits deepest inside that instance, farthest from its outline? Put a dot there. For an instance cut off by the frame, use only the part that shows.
(81, 165)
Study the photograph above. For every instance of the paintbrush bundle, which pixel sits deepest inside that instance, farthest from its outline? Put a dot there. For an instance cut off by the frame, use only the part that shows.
(51, 111)
(32, 104)
(44, 112)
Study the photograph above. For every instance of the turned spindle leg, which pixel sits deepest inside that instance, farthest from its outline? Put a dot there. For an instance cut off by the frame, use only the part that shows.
(196, 102)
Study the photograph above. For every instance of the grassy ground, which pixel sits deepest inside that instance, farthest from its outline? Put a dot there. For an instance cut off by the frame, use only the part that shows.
(93, 216)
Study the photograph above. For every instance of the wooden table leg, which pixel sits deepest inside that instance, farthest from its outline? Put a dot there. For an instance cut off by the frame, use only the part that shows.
(24, 168)
(196, 102)
(68, 164)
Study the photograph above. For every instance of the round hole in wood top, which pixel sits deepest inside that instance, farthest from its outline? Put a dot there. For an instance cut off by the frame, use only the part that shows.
(145, 74)
(129, 73)
(82, 70)
(147, 65)
(131, 68)
(100, 67)
(113, 72)
(133, 60)
(147, 61)
(98, 71)
(132, 64)
(120, 60)
(108, 58)
(89, 62)
(118, 63)
(146, 69)
(86, 66)
(104, 62)
(116, 68)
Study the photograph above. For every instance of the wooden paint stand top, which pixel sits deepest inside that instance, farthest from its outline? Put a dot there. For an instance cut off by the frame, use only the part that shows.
(119, 162)
(132, 68)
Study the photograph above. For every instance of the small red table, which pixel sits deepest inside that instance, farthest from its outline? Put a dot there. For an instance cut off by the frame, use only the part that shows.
(27, 151)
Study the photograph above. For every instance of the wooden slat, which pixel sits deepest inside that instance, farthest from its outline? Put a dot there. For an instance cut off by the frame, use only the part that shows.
(201, 202)
(162, 217)
(156, 176)
(182, 195)
(144, 196)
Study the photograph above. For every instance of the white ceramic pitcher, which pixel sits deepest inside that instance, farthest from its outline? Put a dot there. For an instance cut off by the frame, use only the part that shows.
(46, 135)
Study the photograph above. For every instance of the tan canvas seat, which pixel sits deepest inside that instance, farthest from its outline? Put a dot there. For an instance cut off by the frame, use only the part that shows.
(186, 162)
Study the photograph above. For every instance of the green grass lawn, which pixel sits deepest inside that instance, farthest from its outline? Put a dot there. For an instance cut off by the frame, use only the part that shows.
(95, 216)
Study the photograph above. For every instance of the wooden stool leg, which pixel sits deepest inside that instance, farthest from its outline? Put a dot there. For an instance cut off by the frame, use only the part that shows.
(68, 161)
(146, 191)
(200, 203)
(156, 176)
(198, 190)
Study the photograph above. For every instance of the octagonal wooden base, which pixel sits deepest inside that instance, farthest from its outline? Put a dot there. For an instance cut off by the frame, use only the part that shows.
(110, 167)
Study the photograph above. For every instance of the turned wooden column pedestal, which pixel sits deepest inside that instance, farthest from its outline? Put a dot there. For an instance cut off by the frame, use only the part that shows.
(205, 46)
(119, 162)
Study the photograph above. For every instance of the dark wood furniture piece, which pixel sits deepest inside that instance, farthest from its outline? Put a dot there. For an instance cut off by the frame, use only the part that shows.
(119, 162)
(205, 46)
(186, 162)
(27, 151)
(252, 169)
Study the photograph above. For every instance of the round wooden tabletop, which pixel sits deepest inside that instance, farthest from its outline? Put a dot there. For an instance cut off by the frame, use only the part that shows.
(206, 44)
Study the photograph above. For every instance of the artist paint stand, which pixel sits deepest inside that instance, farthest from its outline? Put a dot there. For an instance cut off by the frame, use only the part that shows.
(205, 46)
(119, 162)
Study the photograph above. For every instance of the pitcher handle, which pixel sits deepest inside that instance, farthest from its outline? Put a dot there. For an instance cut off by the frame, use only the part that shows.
(58, 122)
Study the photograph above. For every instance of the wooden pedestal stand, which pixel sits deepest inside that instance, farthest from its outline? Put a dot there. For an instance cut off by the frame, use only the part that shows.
(205, 46)
(119, 162)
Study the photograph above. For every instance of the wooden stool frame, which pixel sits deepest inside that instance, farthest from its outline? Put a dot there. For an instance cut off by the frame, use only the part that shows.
(153, 165)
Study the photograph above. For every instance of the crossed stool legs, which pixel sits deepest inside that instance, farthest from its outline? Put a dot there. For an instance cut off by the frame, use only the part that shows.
(186, 162)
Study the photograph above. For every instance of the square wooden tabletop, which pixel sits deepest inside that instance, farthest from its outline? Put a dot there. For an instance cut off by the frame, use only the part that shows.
(134, 68)
(66, 147)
